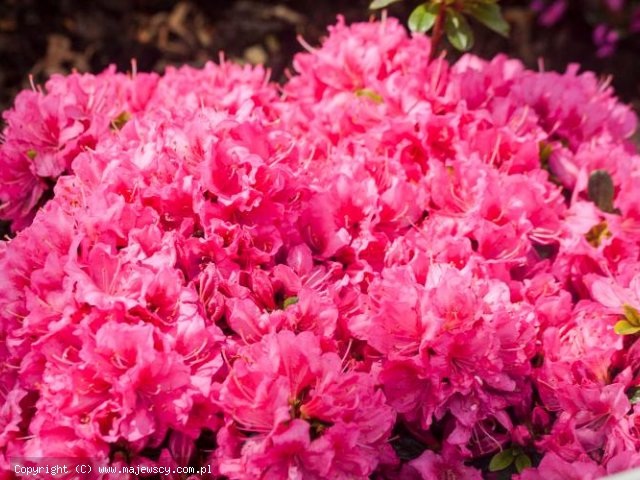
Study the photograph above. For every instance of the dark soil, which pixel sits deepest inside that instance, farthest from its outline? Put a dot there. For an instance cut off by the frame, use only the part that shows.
(41, 37)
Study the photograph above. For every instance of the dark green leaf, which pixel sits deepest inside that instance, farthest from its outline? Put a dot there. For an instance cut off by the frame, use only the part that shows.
(423, 17)
(458, 31)
(501, 460)
(545, 251)
(601, 190)
(490, 16)
(378, 4)
(634, 396)
(522, 461)
(405, 445)
(408, 448)
(289, 301)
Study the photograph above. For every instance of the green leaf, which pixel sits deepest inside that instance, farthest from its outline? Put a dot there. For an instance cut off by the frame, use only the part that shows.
(545, 154)
(501, 460)
(597, 234)
(632, 315)
(119, 122)
(522, 461)
(635, 396)
(458, 31)
(378, 4)
(289, 301)
(544, 251)
(408, 448)
(601, 190)
(366, 92)
(423, 17)
(625, 328)
(490, 16)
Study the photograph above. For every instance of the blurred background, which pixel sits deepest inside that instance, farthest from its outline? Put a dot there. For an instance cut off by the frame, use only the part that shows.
(42, 37)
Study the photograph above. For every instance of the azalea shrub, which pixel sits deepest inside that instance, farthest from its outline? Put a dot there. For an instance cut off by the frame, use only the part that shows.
(390, 267)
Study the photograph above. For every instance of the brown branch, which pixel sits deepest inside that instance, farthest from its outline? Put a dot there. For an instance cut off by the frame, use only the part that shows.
(437, 32)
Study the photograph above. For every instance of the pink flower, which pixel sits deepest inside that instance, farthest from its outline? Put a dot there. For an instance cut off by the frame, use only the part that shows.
(292, 411)
(553, 467)
(553, 12)
(605, 39)
(430, 465)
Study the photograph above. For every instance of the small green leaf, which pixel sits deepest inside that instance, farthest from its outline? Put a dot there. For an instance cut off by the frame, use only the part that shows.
(119, 122)
(378, 4)
(631, 314)
(625, 328)
(597, 234)
(545, 154)
(490, 16)
(289, 301)
(423, 17)
(31, 153)
(501, 460)
(601, 190)
(405, 445)
(522, 461)
(458, 31)
(635, 396)
(366, 92)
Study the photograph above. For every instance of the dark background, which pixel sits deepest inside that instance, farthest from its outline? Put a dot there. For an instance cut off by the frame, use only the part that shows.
(44, 37)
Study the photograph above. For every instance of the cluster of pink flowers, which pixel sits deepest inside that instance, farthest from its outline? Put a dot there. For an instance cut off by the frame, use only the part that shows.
(612, 19)
(391, 268)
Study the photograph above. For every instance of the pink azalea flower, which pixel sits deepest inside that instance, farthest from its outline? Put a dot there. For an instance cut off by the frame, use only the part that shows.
(294, 413)
(430, 465)
(553, 467)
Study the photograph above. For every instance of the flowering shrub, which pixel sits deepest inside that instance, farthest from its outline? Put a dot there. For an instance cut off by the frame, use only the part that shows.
(394, 267)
